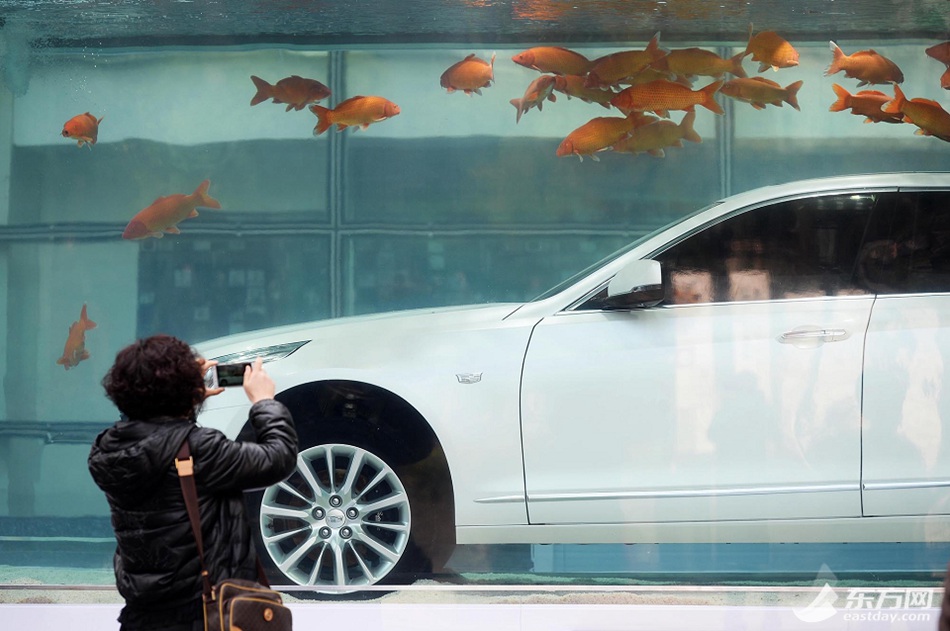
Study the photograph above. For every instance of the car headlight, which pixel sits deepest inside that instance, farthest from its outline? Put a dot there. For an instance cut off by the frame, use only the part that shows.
(268, 353)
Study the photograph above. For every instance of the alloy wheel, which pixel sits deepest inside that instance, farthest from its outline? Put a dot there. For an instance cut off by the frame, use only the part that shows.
(341, 519)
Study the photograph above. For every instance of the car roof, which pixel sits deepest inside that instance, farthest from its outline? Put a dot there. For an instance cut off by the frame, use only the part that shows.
(896, 179)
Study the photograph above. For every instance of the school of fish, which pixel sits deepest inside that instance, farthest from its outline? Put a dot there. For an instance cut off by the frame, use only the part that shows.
(655, 80)
(643, 85)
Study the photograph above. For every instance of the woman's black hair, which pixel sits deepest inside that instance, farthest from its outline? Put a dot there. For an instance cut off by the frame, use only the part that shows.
(154, 377)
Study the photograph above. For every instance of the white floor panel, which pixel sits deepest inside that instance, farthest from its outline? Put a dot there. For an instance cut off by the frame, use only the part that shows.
(515, 617)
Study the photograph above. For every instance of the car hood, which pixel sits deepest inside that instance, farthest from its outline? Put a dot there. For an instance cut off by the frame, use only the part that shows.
(382, 324)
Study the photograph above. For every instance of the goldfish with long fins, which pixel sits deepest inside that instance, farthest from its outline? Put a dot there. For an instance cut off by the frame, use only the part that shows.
(928, 115)
(611, 69)
(84, 128)
(771, 50)
(658, 135)
(163, 215)
(297, 92)
(691, 62)
(553, 59)
(759, 92)
(538, 91)
(356, 111)
(867, 103)
(867, 66)
(663, 95)
(469, 75)
(598, 134)
(75, 349)
(573, 86)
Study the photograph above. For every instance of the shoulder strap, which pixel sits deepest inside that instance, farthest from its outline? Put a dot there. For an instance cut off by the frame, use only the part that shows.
(185, 465)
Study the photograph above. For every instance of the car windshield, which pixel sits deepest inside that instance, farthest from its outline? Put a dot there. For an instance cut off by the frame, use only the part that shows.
(614, 256)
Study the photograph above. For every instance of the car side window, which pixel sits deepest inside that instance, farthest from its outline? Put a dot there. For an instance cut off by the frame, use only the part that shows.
(908, 246)
(791, 249)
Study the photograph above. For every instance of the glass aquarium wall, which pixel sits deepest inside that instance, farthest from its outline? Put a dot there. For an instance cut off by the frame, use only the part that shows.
(456, 198)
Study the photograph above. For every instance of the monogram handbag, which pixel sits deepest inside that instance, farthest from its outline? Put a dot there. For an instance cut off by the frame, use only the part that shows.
(231, 604)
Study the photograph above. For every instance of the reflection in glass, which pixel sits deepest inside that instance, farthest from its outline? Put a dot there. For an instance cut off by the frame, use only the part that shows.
(796, 249)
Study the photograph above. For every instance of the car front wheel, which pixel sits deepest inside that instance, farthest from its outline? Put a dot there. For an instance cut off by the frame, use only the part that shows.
(343, 518)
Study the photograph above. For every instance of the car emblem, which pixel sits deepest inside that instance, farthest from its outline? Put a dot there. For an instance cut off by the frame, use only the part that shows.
(469, 377)
(335, 518)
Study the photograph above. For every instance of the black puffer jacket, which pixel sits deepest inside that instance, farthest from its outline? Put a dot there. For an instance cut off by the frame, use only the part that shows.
(156, 561)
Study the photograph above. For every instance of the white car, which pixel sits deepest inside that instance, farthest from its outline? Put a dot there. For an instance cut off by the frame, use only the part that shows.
(768, 369)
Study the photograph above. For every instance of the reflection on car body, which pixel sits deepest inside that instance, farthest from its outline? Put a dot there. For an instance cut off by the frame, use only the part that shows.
(767, 369)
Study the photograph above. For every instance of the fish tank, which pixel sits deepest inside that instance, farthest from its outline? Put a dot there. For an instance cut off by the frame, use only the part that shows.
(205, 168)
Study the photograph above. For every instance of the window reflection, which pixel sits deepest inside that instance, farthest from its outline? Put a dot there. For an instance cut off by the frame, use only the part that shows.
(910, 248)
(920, 423)
(691, 286)
(822, 246)
(795, 249)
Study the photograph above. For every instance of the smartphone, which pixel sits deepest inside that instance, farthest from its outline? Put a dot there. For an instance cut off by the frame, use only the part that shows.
(226, 375)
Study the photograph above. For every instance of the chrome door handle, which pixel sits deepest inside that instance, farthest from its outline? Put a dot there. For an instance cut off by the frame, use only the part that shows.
(805, 337)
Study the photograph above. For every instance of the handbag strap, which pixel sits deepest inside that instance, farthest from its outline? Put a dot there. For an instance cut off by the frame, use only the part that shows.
(185, 465)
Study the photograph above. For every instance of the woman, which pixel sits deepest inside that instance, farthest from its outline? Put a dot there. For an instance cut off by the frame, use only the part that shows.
(158, 385)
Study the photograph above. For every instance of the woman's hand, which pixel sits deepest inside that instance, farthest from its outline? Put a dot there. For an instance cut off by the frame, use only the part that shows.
(257, 383)
(206, 365)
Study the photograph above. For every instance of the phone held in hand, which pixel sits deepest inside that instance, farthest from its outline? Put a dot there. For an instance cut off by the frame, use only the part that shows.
(226, 375)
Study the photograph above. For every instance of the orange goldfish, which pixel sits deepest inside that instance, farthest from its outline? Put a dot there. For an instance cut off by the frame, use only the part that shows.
(573, 85)
(553, 59)
(662, 95)
(649, 74)
(865, 103)
(469, 75)
(690, 62)
(941, 52)
(597, 134)
(538, 90)
(356, 111)
(611, 69)
(926, 114)
(771, 50)
(84, 128)
(165, 213)
(867, 66)
(295, 91)
(75, 349)
(654, 137)
(759, 92)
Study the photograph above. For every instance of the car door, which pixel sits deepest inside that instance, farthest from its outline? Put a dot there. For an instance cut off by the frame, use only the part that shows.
(906, 398)
(738, 398)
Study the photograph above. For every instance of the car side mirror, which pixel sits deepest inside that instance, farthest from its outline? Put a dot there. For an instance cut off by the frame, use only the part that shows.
(638, 285)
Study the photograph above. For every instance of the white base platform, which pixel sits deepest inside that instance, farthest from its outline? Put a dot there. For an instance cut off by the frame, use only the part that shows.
(510, 617)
